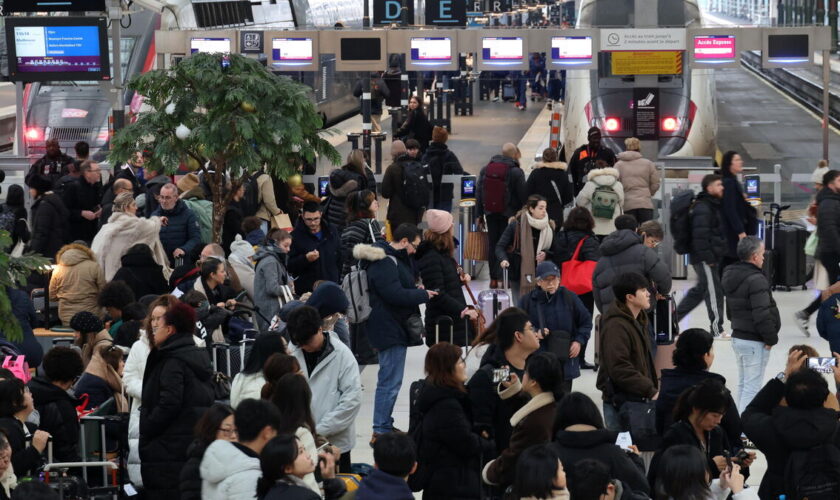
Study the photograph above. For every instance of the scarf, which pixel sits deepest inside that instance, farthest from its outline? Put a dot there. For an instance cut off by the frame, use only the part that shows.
(528, 266)
(103, 370)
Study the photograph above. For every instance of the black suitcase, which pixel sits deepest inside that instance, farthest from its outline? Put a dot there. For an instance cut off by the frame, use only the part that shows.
(665, 326)
(789, 248)
(508, 93)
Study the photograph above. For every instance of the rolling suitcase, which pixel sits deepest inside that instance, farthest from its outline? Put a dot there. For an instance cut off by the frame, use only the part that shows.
(230, 359)
(492, 302)
(665, 329)
(789, 248)
(508, 93)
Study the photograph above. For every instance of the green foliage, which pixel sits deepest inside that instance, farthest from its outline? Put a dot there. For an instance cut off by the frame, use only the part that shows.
(14, 272)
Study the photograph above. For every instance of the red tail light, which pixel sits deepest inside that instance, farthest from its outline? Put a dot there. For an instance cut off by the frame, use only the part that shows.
(34, 134)
(670, 124)
(612, 124)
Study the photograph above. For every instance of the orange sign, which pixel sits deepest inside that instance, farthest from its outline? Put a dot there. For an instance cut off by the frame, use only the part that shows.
(667, 62)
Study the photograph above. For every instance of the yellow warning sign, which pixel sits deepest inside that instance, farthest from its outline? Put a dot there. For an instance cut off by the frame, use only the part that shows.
(647, 62)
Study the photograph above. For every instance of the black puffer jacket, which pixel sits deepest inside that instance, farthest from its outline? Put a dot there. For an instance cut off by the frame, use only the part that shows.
(448, 457)
(140, 272)
(416, 126)
(708, 244)
(565, 243)
(176, 393)
(190, 479)
(343, 183)
(25, 458)
(548, 179)
(439, 272)
(516, 192)
(358, 231)
(828, 222)
(750, 305)
(79, 196)
(683, 433)
(49, 225)
(441, 161)
(58, 417)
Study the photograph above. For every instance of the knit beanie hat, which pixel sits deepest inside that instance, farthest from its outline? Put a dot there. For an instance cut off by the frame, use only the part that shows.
(241, 247)
(594, 132)
(438, 221)
(397, 149)
(86, 322)
(329, 299)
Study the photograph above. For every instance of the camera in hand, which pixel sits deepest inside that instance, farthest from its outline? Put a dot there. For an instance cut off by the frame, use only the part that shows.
(501, 374)
(822, 365)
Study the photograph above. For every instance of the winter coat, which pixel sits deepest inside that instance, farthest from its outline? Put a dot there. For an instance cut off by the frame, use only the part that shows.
(268, 202)
(181, 231)
(602, 177)
(231, 226)
(562, 311)
(640, 179)
(583, 161)
(737, 215)
(416, 126)
(80, 195)
(190, 478)
(439, 271)
(49, 225)
(202, 208)
(548, 179)
(336, 391)
(140, 272)
(152, 188)
(95, 387)
(505, 249)
(779, 430)
(533, 424)
(284, 490)
(241, 260)
(344, 182)
(627, 370)
(392, 187)
(52, 168)
(359, 231)
(380, 485)
(516, 193)
(828, 319)
(565, 243)
(57, 409)
(123, 231)
(326, 267)
(750, 305)
(393, 295)
(269, 276)
(135, 367)
(76, 282)
(229, 471)
(581, 442)
(447, 458)
(25, 458)
(176, 393)
(441, 161)
(623, 252)
(708, 243)
(24, 313)
(682, 432)
(828, 223)
(673, 382)
(246, 386)
(379, 91)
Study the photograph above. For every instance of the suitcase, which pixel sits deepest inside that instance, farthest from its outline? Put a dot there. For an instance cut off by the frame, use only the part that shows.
(492, 302)
(229, 359)
(665, 326)
(789, 249)
(508, 93)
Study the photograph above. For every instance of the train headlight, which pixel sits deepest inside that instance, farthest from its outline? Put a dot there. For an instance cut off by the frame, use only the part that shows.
(670, 124)
(612, 124)
(34, 134)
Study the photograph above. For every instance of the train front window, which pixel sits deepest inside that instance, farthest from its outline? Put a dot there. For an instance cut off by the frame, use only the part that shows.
(606, 13)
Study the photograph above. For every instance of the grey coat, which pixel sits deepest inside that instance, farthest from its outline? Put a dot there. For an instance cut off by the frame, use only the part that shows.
(270, 275)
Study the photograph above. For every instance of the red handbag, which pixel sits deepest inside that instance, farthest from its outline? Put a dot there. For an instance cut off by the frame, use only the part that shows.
(577, 274)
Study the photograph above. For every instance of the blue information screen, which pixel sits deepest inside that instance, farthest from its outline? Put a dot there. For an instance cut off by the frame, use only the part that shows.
(57, 49)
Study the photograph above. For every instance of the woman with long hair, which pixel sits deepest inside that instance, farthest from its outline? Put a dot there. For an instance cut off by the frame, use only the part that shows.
(526, 242)
(15, 204)
(216, 423)
(293, 398)
(362, 226)
(738, 217)
(102, 378)
(248, 383)
(285, 462)
(416, 125)
(683, 475)
(275, 367)
(354, 175)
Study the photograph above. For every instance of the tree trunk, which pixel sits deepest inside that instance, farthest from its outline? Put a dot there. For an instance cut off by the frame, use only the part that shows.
(219, 199)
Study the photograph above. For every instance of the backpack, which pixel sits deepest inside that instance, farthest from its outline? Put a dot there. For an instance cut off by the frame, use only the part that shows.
(357, 288)
(680, 221)
(419, 480)
(495, 187)
(7, 219)
(416, 185)
(814, 474)
(203, 210)
(604, 202)
(251, 201)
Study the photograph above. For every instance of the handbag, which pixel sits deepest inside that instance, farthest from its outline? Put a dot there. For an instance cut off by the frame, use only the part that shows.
(18, 366)
(281, 221)
(811, 244)
(639, 418)
(478, 246)
(221, 386)
(576, 275)
(416, 330)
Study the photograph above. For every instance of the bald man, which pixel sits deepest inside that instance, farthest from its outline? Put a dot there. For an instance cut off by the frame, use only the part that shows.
(119, 186)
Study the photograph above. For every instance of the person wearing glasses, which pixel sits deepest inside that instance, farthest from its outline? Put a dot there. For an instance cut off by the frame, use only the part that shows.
(102, 379)
(217, 423)
(83, 199)
(180, 233)
(28, 442)
(316, 250)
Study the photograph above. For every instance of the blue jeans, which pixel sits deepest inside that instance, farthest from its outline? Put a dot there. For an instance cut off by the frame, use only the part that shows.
(752, 359)
(342, 329)
(388, 383)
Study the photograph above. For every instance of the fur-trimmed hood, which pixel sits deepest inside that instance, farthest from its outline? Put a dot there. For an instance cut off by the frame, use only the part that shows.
(363, 251)
(602, 176)
(558, 165)
(73, 254)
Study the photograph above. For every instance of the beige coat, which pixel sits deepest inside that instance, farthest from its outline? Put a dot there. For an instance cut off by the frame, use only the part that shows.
(268, 204)
(76, 282)
(602, 177)
(123, 231)
(640, 179)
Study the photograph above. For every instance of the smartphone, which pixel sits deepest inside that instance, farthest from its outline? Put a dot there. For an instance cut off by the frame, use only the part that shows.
(728, 457)
(822, 365)
(501, 374)
(323, 186)
(624, 440)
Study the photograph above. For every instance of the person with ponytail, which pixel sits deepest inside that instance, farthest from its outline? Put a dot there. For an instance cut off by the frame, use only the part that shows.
(541, 387)
(362, 226)
(526, 242)
(284, 463)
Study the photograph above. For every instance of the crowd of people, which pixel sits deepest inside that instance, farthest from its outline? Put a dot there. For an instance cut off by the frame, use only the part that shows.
(150, 296)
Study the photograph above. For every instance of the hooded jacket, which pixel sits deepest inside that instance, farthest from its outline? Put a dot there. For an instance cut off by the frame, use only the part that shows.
(358, 231)
(58, 417)
(336, 391)
(380, 485)
(779, 430)
(78, 196)
(392, 186)
(583, 160)
(640, 179)
(516, 193)
(750, 304)
(623, 252)
(393, 295)
(548, 179)
(441, 161)
(140, 272)
(229, 471)
(627, 370)
(270, 275)
(76, 282)
(828, 223)
(343, 183)
(49, 225)
(708, 244)
(182, 230)
(176, 393)
(602, 177)
(326, 267)
(241, 255)
(439, 271)
(123, 231)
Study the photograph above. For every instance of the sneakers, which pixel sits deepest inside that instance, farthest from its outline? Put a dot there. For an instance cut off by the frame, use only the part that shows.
(802, 321)
(721, 336)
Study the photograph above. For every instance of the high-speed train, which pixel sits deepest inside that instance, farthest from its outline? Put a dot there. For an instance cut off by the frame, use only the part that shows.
(687, 109)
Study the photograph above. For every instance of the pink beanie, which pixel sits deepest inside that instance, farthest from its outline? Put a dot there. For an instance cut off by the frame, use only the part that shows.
(438, 221)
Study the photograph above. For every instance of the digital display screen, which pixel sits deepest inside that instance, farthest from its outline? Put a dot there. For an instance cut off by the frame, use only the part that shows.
(787, 48)
(571, 48)
(437, 49)
(210, 45)
(361, 49)
(58, 49)
(291, 50)
(502, 48)
(10, 6)
(468, 187)
(323, 186)
(711, 48)
(752, 185)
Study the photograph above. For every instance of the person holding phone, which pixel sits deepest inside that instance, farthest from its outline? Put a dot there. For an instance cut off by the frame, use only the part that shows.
(82, 198)
(683, 474)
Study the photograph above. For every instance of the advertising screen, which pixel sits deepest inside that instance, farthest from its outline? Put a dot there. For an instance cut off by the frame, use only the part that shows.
(711, 48)
(210, 45)
(431, 49)
(291, 49)
(10, 6)
(571, 48)
(502, 48)
(787, 48)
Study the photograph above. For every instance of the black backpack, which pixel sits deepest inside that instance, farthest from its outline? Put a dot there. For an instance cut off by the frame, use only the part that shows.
(251, 201)
(680, 222)
(814, 474)
(416, 185)
(419, 480)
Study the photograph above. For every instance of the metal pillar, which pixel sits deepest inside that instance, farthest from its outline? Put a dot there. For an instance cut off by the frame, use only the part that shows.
(820, 20)
(832, 21)
(826, 67)
(366, 125)
(117, 98)
(366, 14)
(20, 144)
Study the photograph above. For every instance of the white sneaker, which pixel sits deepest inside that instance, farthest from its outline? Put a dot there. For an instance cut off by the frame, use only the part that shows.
(802, 321)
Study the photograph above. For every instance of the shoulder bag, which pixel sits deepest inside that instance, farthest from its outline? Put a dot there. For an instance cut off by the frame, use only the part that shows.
(577, 274)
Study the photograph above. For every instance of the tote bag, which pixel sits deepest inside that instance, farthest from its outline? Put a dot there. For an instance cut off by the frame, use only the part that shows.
(577, 274)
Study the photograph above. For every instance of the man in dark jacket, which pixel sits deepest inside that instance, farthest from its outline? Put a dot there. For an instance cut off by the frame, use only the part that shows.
(559, 313)
(154, 182)
(753, 314)
(550, 179)
(62, 366)
(53, 165)
(379, 91)
(828, 224)
(627, 371)
(441, 161)
(393, 299)
(316, 250)
(708, 246)
(497, 205)
(24, 313)
(49, 219)
(181, 235)
(584, 158)
(392, 188)
(82, 199)
(394, 459)
(623, 251)
(118, 187)
(803, 425)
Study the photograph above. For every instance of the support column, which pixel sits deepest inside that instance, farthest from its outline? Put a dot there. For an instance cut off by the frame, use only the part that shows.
(820, 20)
(832, 21)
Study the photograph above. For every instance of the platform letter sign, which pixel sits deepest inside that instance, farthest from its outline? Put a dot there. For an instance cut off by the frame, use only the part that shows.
(646, 113)
(390, 12)
(446, 12)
